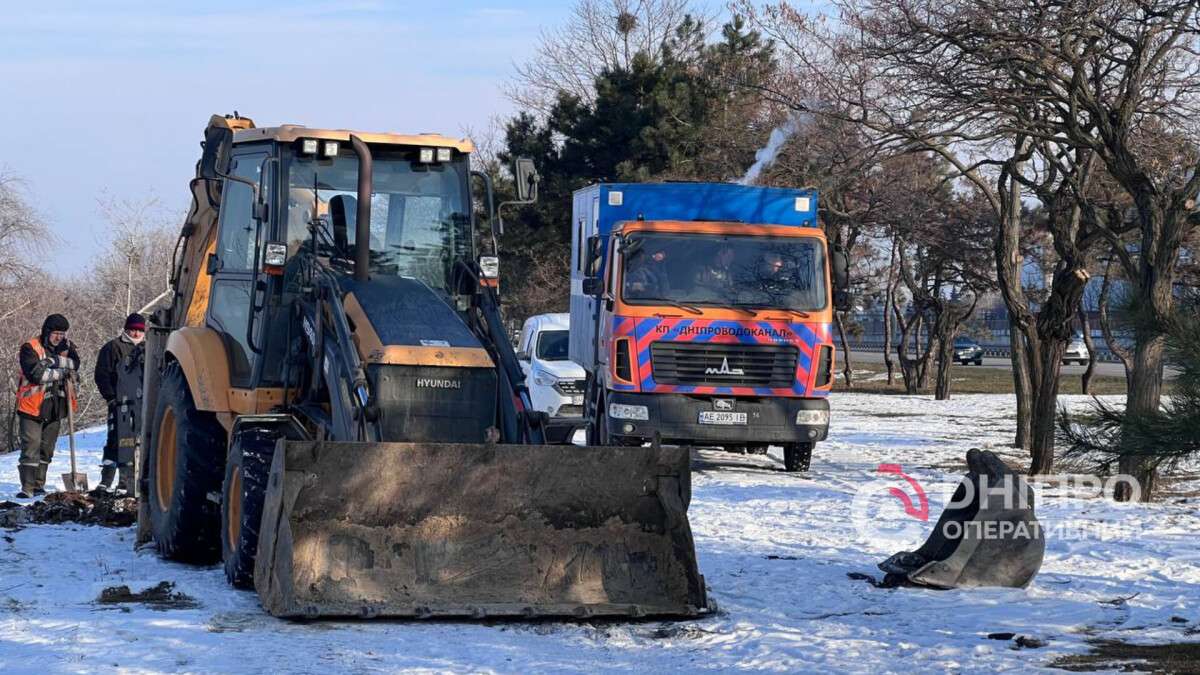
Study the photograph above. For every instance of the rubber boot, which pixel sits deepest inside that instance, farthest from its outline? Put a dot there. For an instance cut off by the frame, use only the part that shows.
(28, 476)
(107, 473)
(125, 482)
(39, 485)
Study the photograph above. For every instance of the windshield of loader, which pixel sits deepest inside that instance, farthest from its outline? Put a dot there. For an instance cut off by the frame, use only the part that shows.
(723, 271)
(420, 222)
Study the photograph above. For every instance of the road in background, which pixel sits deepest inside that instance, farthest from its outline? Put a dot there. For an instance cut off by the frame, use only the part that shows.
(1102, 367)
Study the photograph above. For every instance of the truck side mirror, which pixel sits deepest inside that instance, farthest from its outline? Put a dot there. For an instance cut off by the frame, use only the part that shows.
(592, 286)
(526, 177)
(214, 163)
(593, 254)
(840, 271)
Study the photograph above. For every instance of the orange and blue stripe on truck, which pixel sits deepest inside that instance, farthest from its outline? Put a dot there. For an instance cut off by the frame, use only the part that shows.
(808, 338)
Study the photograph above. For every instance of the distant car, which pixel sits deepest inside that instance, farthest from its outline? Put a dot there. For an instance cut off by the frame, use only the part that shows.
(1077, 351)
(556, 384)
(967, 351)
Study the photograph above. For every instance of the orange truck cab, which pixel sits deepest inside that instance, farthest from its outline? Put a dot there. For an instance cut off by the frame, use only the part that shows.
(701, 313)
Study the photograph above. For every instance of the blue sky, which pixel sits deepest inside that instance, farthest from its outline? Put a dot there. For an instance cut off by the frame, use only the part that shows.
(112, 97)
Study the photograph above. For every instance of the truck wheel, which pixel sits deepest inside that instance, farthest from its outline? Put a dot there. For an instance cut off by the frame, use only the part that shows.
(979, 361)
(185, 465)
(797, 456)
(246, 473)
(597, 426)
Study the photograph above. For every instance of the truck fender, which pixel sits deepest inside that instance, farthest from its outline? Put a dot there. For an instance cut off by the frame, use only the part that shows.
(201, 355)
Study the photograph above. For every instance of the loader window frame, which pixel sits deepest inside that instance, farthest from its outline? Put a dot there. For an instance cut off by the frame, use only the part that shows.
(234, 297)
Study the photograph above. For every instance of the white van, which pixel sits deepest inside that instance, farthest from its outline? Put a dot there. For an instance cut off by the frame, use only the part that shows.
(556, 384)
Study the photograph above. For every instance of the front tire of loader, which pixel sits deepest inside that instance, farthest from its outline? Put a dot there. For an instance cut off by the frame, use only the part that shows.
(185, 465)
(247, 470)
(797, 456)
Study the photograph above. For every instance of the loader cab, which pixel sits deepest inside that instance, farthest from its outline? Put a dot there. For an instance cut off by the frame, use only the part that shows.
(299, 187)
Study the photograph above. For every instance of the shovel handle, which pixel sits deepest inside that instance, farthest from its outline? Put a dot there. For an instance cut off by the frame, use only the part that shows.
(71, 422)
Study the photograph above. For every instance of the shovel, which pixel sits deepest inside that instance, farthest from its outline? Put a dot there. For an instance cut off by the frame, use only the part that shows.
(74, 481)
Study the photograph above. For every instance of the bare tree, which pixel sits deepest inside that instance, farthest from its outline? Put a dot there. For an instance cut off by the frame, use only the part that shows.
(598, 35)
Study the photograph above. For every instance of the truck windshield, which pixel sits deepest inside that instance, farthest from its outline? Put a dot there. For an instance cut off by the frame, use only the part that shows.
(552, 345)
(724, 271)
(420, 220)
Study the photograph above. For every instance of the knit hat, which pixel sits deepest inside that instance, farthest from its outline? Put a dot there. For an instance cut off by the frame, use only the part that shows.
(135, 321)
(55, 322)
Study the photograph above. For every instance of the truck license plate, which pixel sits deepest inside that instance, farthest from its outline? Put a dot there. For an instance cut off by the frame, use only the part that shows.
(577, 399)
(715, 417)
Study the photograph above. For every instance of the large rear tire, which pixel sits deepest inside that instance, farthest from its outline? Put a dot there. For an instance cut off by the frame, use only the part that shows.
(797, 456)
(186, 461)
(247, 470)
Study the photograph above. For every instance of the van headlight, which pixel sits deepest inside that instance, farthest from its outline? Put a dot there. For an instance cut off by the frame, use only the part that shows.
(620, 411)
(543, 379)
(812, 418)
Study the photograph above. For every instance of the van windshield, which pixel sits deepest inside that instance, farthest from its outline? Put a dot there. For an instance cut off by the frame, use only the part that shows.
(552, 345)
(724, 271)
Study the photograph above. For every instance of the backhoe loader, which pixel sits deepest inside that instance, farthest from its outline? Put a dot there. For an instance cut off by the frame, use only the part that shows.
(334, 410)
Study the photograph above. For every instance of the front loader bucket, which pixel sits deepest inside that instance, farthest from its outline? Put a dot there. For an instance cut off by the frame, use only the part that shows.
(438, 530)
(987, 536)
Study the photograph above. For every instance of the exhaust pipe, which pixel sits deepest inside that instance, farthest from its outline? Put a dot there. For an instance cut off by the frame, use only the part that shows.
(362, 222)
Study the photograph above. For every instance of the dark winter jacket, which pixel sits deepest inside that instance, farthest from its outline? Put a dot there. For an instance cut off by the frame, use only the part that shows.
(108, 365)
(54, 405)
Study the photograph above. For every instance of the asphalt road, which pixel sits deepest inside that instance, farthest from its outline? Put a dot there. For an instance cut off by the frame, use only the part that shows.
(1102, 367)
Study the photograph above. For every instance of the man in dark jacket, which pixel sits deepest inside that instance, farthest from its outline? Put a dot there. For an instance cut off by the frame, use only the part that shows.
(46, 363)
(112, 360)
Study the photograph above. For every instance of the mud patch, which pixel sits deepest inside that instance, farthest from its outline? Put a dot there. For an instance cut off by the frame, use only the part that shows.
(1179, 657)
(91, 508)
(161, 597)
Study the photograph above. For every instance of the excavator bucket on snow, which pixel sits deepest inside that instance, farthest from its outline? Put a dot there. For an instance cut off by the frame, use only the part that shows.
(438, 530)
(987, 536)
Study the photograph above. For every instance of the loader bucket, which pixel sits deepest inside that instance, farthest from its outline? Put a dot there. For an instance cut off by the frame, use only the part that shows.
(463, 530)
(987, 536)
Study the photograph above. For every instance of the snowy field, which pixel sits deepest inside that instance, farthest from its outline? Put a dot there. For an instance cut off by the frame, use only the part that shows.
(775, 548)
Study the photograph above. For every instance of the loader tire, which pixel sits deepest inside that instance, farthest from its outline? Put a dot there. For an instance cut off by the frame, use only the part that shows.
(797, 456)
(247, 470)
(186, 463)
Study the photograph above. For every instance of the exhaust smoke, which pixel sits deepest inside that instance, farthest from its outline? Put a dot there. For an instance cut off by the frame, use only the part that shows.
(766, 156)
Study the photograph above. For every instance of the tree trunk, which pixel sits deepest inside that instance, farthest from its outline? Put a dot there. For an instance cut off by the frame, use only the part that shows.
(1144, 397)
(1085, 384)
(1022, 387)
(926, 353)
(847, 367)
(888, 302)
(945, 361)
(1044, 408)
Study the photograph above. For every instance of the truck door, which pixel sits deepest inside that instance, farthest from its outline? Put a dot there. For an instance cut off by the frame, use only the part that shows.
(233, 287)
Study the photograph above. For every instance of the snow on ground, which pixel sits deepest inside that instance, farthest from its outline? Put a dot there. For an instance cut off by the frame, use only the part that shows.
(775, 549)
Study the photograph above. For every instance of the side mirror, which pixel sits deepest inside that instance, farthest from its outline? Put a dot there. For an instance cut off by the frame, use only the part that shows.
(593, 254)
(212, 265)
(522, 356)
(592, 286)
(526, 177)
(214, 163)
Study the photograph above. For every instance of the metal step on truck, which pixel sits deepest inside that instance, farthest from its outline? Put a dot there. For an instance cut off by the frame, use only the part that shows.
(701, 313)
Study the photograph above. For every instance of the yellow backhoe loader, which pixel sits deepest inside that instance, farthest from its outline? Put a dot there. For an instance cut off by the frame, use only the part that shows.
(335, 412)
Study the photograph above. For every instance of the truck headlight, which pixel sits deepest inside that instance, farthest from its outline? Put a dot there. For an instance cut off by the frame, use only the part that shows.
(812, 417)
(544, 379)
(620, 411)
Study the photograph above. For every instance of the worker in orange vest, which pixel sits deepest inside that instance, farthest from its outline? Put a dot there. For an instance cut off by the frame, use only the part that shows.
(46, 362)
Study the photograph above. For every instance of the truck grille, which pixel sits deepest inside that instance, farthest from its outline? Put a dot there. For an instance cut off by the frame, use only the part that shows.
(698, 363)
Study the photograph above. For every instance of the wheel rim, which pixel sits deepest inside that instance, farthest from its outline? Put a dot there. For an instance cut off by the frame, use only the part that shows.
(233, 523)
(164, 466)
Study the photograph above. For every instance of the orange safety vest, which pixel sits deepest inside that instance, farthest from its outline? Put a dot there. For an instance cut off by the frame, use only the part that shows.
(31, 395)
